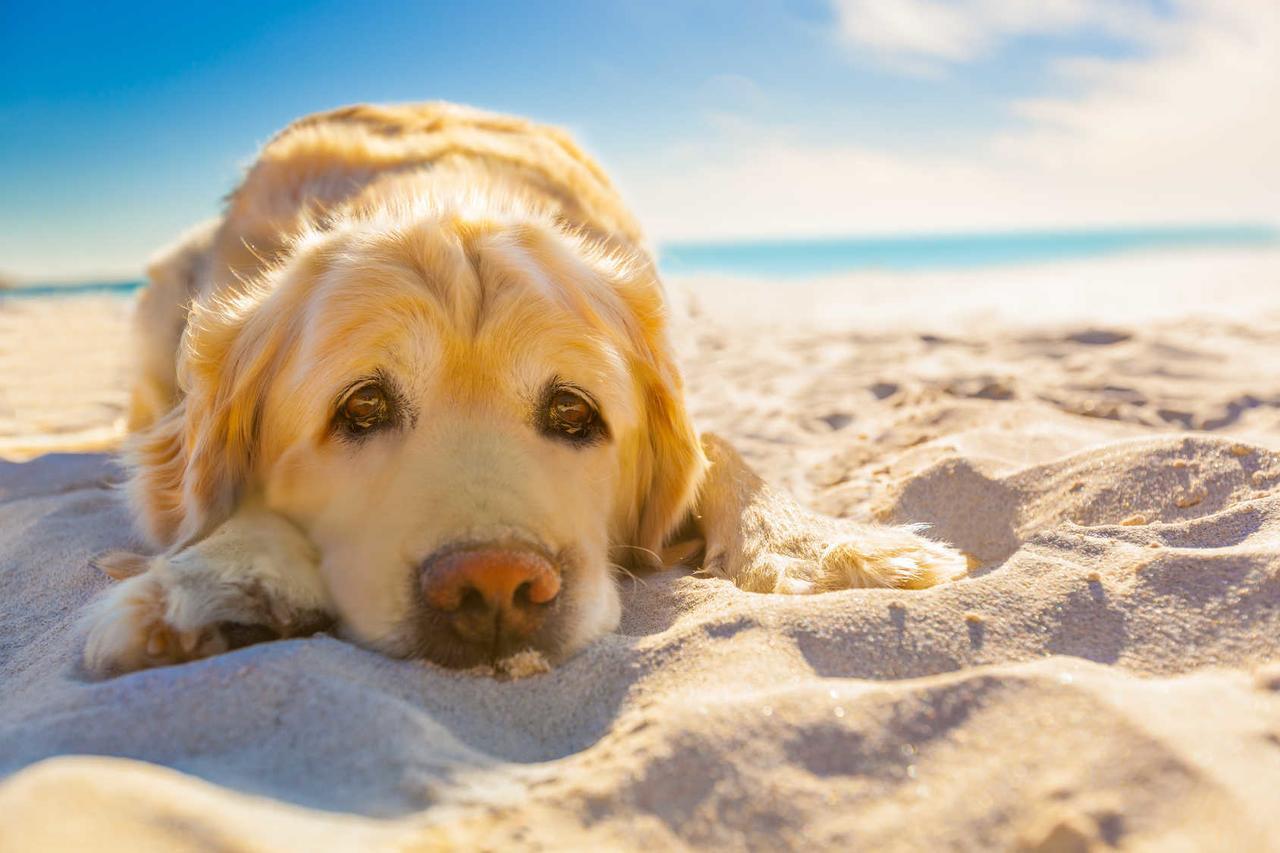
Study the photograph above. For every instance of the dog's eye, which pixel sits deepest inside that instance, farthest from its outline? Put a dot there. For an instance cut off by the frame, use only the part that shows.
(365, 409)
(571, 415)
(571, 411)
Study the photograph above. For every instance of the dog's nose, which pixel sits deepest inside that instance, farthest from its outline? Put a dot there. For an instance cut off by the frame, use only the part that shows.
(491, 595)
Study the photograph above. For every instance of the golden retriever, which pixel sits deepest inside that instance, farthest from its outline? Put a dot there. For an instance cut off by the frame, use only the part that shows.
(416, 384)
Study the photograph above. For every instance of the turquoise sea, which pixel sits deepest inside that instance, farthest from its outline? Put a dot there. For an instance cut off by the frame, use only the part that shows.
(802, 258)
(784, 259)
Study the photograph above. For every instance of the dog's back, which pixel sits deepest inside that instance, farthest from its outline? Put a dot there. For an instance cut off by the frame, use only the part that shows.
(357, 158)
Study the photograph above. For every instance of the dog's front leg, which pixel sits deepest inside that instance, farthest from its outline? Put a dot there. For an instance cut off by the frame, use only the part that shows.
(254, 578)
(764, 542)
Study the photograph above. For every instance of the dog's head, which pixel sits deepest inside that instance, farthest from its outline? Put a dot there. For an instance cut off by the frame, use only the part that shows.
(472, 418)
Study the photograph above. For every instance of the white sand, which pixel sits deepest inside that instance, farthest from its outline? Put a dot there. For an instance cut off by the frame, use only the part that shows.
(1109, 675)
(63, 374)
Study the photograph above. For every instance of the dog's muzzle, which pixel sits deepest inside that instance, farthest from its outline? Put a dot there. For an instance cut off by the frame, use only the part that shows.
(495, 598)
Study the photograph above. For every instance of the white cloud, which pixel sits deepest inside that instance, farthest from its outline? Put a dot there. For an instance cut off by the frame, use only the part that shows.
(1189, 134)
(922, 36)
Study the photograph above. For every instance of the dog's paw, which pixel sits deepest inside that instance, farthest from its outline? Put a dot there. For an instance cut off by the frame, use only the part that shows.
(174, 609)
(878, 556)
(253, 579)
(797, 554)
(143, 622)
(763, 541)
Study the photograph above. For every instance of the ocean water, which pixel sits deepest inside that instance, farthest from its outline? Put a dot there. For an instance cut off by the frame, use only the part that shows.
(87, 288)
(783, 259)
(792, 259)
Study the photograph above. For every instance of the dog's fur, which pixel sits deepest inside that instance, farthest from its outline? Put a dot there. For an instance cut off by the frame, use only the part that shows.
(467, 260)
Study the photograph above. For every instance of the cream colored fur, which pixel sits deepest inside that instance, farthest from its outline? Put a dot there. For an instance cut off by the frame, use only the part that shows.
(472, 258)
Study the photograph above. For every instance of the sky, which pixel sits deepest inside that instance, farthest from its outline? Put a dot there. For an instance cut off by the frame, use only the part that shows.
(122, 124)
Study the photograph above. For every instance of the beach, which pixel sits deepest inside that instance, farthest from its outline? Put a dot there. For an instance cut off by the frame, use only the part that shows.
(1100, 437)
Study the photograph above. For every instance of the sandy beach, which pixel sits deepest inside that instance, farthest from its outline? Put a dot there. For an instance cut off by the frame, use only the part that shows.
(1101, 437)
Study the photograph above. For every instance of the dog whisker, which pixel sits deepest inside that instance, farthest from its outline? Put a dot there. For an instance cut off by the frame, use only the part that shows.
(621, 569)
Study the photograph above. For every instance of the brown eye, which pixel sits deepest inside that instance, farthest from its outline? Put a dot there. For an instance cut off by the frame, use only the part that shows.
(571, 415)
(366, 408)
(570, 410)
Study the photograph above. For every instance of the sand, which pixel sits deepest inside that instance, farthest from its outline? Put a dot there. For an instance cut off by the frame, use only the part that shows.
(1108, 675)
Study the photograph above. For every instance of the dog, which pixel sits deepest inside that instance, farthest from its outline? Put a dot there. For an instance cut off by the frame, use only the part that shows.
(416, 386)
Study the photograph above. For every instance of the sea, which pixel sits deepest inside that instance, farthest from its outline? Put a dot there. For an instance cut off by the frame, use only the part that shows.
(783, 259)
(791, 259)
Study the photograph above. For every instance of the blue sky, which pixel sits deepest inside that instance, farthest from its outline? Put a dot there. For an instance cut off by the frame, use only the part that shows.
(121, 126)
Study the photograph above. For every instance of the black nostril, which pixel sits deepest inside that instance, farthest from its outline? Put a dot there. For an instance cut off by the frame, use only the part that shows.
(523, 593)
(472, 600)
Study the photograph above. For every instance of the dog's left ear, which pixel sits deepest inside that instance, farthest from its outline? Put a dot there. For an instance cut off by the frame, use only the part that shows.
(670, 463)
(673, 470)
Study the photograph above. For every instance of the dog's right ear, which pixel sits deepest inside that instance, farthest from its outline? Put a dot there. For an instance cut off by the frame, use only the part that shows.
(189, 468)
(159, 317)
